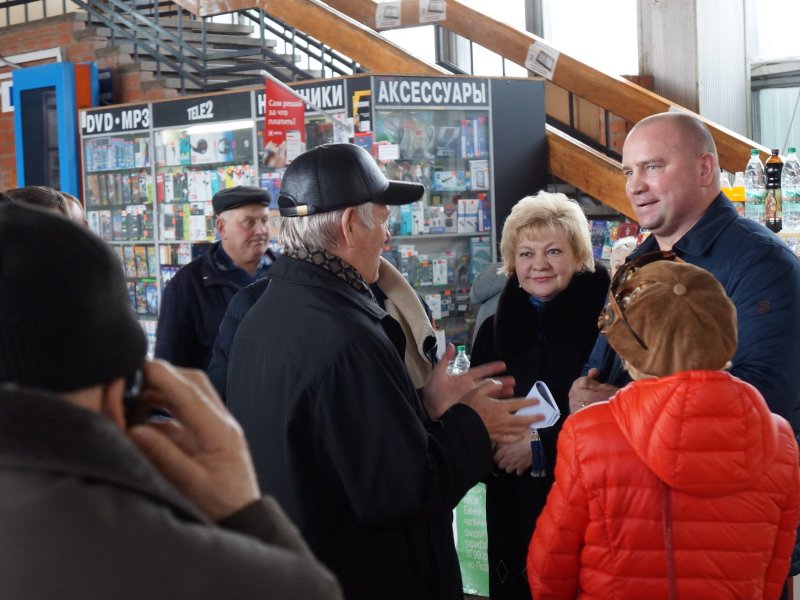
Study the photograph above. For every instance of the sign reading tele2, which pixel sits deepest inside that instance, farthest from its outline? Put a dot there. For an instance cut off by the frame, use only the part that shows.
(451, 91)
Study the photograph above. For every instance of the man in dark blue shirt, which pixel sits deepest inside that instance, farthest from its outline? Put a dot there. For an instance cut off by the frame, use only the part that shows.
(672, 171)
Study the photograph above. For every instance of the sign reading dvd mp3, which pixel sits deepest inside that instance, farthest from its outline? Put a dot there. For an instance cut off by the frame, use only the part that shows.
(116, 120)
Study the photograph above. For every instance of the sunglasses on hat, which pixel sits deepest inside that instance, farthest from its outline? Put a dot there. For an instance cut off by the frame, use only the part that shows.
(622, 291)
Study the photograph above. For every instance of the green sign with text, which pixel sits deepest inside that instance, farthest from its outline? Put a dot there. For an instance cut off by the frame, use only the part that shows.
(471, 541)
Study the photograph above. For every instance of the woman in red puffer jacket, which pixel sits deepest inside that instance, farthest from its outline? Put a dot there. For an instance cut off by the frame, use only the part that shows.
(684, 485)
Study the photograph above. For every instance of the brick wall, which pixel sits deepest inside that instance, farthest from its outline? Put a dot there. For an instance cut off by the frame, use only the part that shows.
(618, 127)
(78, 44)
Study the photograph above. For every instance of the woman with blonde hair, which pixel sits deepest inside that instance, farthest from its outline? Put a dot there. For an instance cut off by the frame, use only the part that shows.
(544, 329)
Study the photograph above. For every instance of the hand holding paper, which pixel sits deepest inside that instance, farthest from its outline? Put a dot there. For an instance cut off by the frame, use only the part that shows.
(547, 406)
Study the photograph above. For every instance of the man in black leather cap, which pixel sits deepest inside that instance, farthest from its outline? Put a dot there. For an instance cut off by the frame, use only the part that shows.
(195, 299)
(369, 468)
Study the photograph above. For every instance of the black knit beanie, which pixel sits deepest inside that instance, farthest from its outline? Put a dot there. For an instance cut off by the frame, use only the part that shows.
(65, 319)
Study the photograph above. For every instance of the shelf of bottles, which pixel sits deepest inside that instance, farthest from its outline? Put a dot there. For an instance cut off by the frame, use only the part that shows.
(771, 192)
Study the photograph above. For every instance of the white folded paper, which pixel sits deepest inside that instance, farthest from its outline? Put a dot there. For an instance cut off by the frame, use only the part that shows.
(547, 406)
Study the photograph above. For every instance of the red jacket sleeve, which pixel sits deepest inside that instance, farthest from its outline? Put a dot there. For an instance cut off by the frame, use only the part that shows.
(785, 540)
(554, 550)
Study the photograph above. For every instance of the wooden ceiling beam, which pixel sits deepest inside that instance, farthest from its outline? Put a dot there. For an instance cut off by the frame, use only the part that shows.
(615, 94)
(588, 170)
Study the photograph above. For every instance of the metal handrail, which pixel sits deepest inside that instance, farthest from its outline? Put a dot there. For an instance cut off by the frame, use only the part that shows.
(336, 62)
(139, 24)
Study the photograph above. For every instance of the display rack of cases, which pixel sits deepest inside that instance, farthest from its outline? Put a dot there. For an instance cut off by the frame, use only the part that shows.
(119, 196)
(477, 144)
(458, 136)
(202, 145)
(149, 172)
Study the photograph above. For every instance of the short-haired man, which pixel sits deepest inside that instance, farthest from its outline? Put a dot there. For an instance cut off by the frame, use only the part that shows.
(83, 512)
(672, 171)
(195, 300)
(368, 469)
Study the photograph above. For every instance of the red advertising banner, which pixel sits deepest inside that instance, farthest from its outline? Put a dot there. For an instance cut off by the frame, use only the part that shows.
(284, 126)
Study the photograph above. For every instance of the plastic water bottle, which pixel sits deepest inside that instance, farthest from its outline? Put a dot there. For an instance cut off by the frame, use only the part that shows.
(460, 363)
(737, 194)
(754, 188)
(790, 185)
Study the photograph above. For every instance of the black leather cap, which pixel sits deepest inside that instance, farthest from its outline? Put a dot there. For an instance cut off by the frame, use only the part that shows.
(336, 176)
(240, 195)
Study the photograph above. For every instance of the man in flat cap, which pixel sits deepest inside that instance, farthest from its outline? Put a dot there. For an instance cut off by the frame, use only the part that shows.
(195, 299)
(369, 467)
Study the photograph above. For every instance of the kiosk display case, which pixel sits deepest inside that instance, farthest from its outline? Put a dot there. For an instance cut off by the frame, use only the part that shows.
(119, 198)
(202, 145)
(150, 171)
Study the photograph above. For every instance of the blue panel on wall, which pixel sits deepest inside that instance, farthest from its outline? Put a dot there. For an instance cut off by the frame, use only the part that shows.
(43, 83)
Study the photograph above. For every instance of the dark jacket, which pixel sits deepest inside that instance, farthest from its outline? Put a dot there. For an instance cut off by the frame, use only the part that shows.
(762, 278)
(84, 515)
(245, 298)
(340, 437)
(242, 301)
(549, 343)
(192, 308)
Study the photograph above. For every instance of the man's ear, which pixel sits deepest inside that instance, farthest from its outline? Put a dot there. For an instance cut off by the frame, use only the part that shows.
(348, 230)
(709, 169)
(112, 402)
(220, 225)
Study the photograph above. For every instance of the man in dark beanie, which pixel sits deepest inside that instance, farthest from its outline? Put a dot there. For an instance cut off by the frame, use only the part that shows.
(88, 506)
(195, 300)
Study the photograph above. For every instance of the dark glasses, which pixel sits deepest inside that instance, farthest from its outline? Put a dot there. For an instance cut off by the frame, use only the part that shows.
(622, 291)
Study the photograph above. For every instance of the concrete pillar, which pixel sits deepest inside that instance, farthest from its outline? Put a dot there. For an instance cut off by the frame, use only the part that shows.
(696, 51)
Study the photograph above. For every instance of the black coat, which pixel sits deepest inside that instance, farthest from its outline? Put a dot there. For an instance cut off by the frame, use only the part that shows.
(241, 302)
(339, 435)
(192, 308)
(550, 344)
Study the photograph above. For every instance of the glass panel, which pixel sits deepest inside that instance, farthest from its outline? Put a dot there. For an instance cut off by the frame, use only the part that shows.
(773, 29)
(40, 124)
(776, 121)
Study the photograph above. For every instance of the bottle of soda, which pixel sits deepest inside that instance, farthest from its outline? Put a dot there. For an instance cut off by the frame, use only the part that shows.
(460, 363)
(737, 195)
(790, 190)
(773, 209)
(754, 188)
